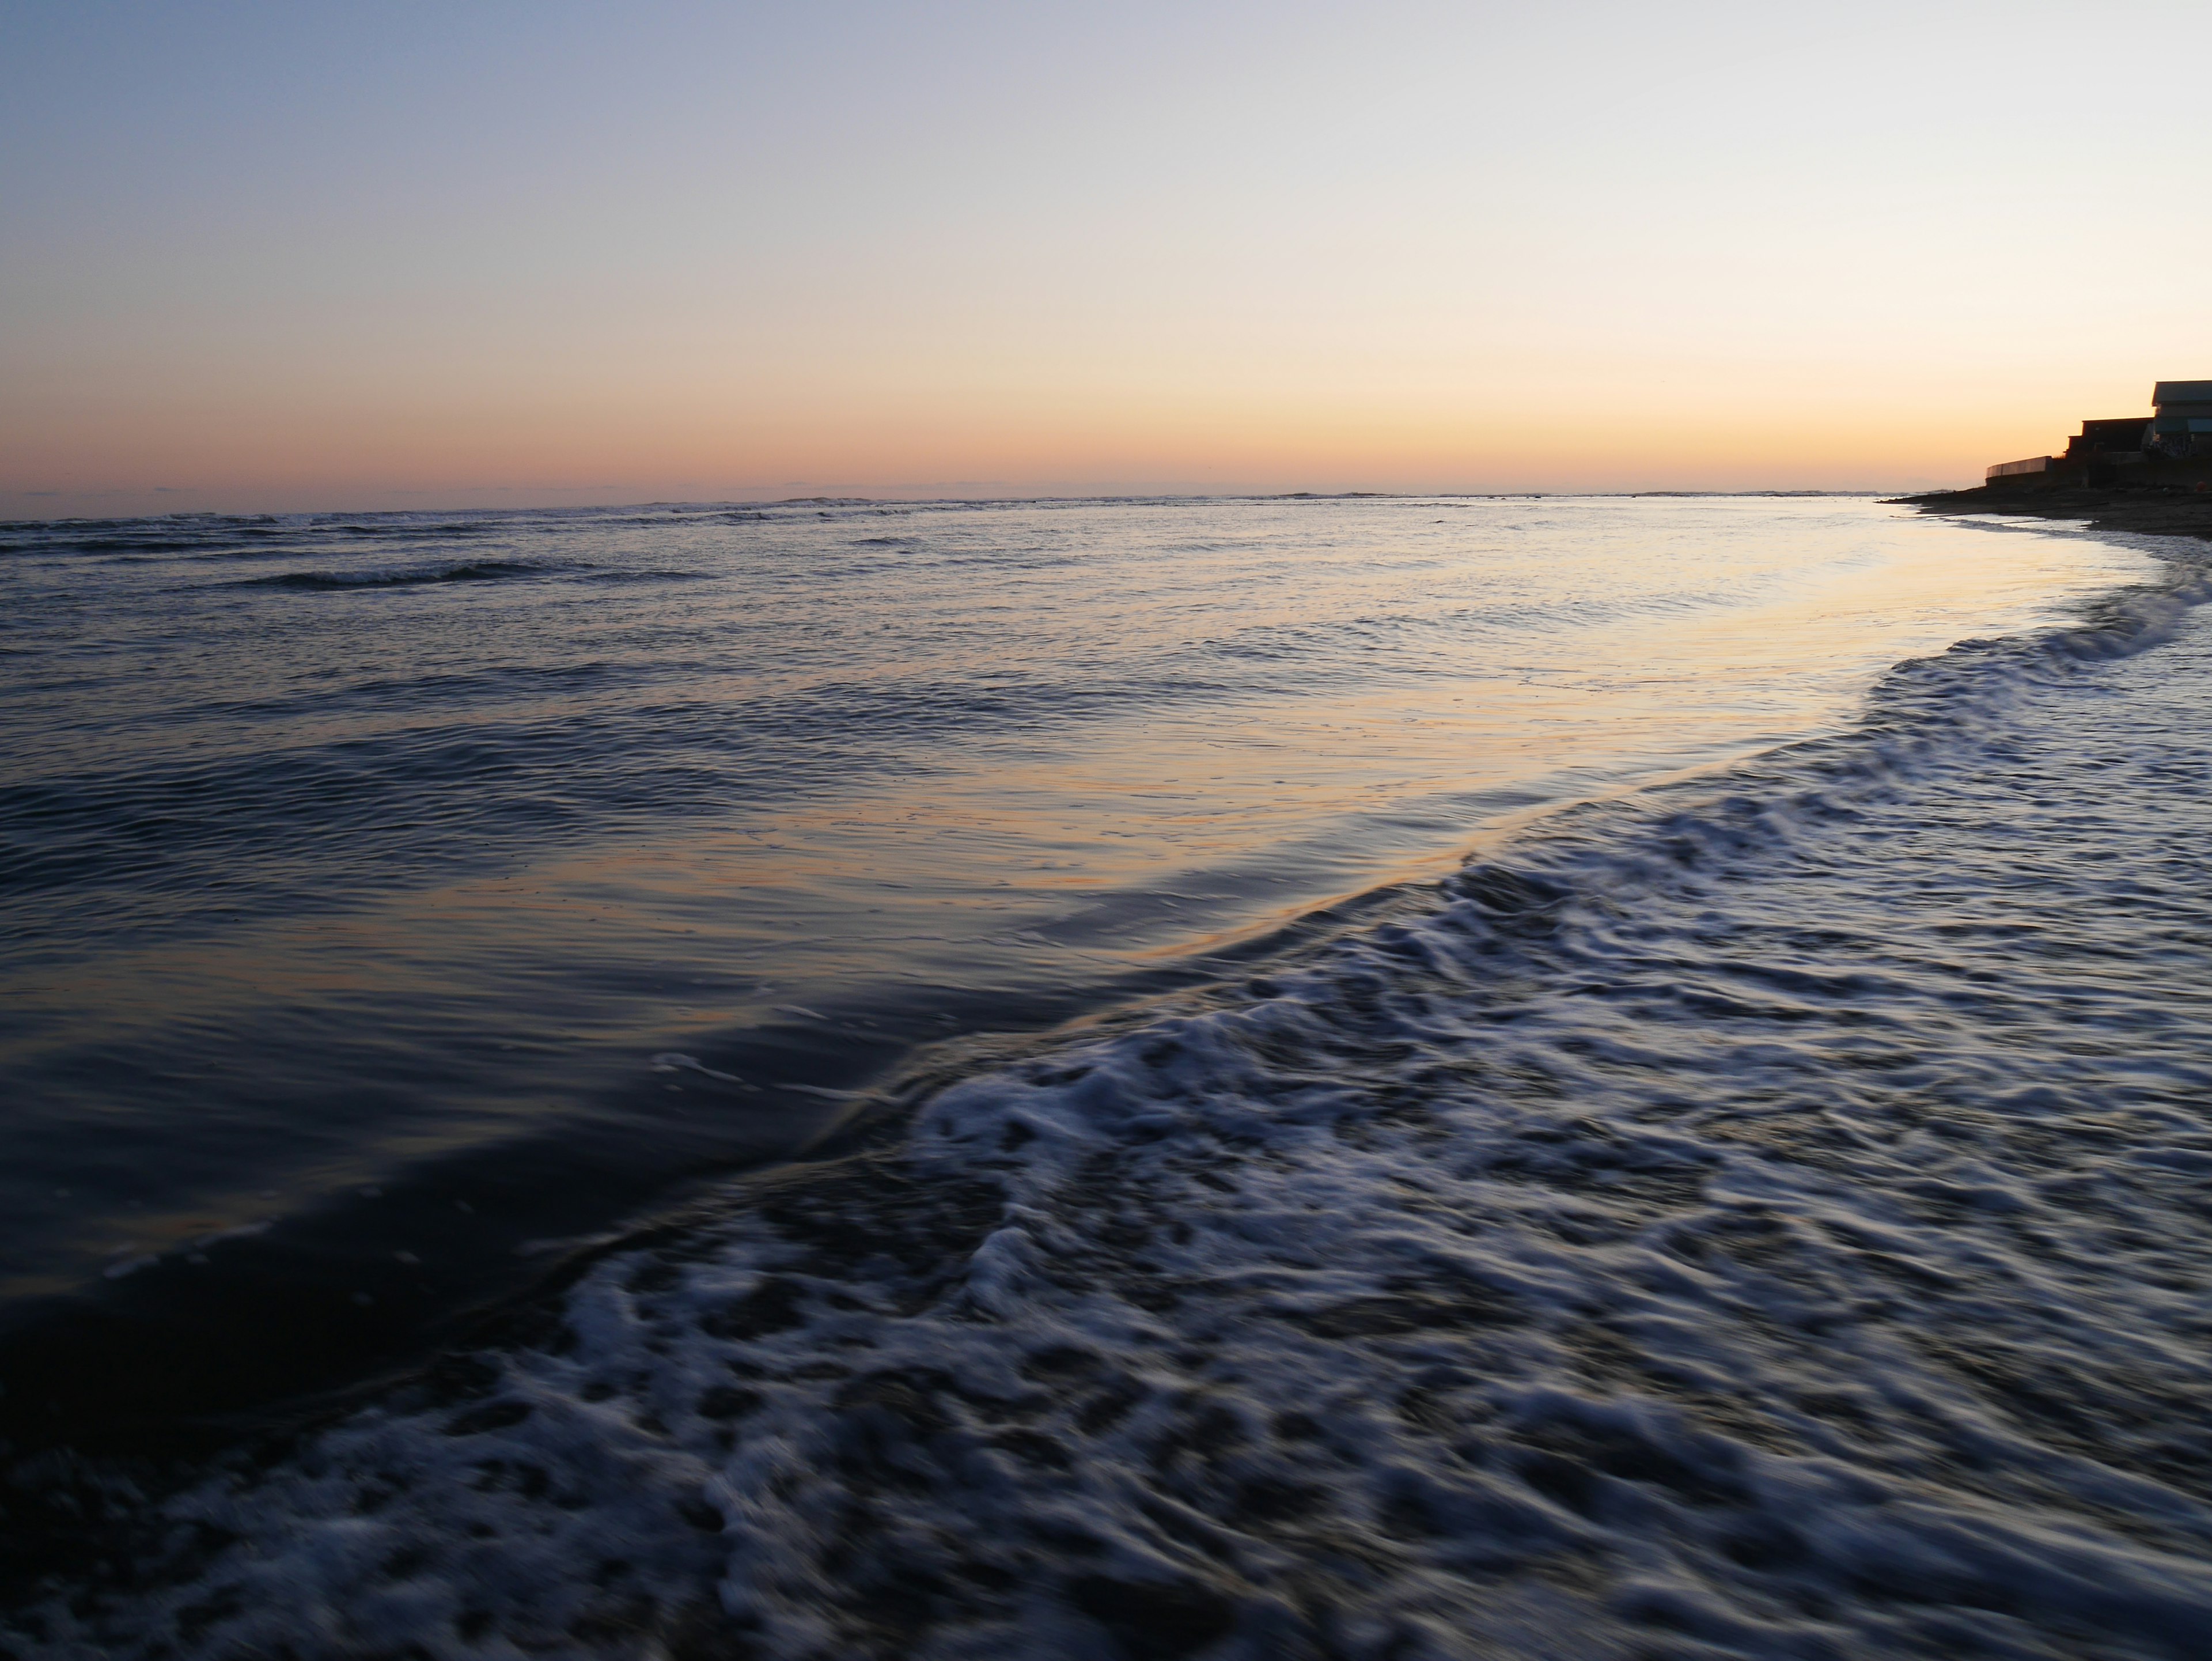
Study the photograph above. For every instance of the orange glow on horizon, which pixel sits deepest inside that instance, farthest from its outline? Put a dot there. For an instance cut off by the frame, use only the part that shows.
(341, 267)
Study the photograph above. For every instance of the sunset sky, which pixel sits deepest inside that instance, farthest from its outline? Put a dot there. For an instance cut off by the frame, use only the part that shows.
(308, 256)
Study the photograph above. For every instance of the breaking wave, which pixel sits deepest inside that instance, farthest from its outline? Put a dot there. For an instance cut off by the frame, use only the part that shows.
(1771, 1217)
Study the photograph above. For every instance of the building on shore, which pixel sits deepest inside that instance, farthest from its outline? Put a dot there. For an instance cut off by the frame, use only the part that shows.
(2108, 439)
(2124, 448)
(2181, 419)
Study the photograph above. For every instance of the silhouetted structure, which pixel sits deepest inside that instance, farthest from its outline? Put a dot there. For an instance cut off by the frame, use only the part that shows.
(2181, 421)
(2110, 439)
(2165, 447)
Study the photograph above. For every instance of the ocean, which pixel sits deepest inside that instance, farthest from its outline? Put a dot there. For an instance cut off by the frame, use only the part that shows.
(1342, 1077)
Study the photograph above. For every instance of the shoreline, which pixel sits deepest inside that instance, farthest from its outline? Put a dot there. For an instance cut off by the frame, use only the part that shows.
(2144, 513)
(668, 1377)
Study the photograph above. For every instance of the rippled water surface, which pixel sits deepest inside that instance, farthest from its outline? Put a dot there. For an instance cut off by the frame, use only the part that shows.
(1753, 1208)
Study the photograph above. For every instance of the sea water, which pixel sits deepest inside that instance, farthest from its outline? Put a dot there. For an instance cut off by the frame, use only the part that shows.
(1355, 1077)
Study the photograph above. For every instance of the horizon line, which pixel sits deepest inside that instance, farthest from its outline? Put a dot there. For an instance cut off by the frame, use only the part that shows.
(1041, 499)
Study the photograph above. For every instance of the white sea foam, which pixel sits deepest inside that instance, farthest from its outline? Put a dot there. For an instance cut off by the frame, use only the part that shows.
(1767, 1218)
(1036, 752)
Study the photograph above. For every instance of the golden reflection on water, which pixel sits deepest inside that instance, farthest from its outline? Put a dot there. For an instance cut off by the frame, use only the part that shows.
(1032, 857)
(1027, 830)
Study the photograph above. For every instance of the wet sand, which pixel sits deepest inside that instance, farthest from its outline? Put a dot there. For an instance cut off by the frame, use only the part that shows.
(2145, 512)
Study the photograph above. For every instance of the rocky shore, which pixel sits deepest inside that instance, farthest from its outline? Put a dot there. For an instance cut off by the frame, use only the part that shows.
(2150, 512)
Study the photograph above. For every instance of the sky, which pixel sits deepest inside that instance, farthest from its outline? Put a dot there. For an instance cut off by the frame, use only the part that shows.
(328, 256)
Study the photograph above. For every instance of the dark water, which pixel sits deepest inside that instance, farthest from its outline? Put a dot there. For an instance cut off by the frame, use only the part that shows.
(1756, 1211)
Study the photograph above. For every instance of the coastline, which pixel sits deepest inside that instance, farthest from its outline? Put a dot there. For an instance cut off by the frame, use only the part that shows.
(1614, 1277)
(1568, 1253)
(2143, 513)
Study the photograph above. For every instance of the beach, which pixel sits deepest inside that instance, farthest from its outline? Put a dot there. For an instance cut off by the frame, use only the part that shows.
(1134, 833)
(2175, 512)
(1756, 1208)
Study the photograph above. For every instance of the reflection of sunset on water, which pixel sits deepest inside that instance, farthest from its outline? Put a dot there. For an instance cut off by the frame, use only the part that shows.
(1002, 759)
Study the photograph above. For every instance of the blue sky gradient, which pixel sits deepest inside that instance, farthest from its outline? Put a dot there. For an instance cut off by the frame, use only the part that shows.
(315, 255)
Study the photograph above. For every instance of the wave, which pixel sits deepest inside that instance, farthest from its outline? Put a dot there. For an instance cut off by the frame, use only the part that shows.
(1763, 1218)
(481, 570)
(351, 528)
(253, 536)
